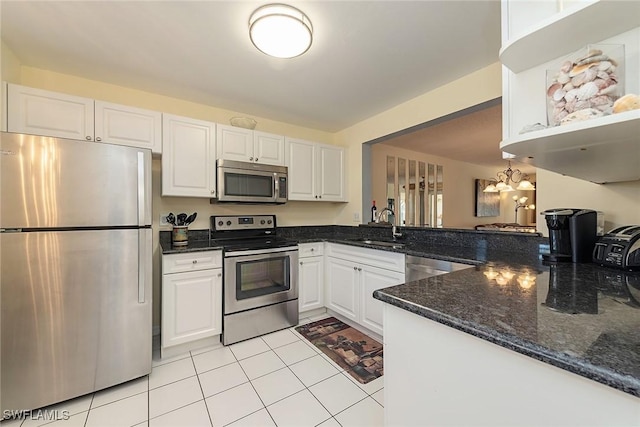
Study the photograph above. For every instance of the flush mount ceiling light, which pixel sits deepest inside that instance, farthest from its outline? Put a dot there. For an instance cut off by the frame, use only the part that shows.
(280, 30)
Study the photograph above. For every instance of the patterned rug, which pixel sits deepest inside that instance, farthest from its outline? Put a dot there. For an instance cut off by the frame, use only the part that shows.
(355, 352)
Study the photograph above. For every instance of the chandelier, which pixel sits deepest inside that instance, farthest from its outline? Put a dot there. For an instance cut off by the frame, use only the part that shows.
(505, 178)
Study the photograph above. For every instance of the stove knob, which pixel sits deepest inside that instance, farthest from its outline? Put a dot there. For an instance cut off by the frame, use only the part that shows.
(269, 222)
(228, 222)
(220, 223)
(262, 222)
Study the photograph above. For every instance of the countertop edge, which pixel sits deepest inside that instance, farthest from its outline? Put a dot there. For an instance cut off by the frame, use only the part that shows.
(608, 377)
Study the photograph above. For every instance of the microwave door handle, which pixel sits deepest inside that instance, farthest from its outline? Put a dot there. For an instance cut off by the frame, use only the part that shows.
(276, 187)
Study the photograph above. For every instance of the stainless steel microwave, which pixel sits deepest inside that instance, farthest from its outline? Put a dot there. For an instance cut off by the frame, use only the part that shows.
(244, 182)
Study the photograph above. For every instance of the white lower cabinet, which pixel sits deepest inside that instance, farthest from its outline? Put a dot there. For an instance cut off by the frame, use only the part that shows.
(191, 298)
(353, 274)
(371, 309)
(343, 288)
(310, 277)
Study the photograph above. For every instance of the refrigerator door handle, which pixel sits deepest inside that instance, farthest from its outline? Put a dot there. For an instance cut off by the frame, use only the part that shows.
(142, 265)
(141, 189)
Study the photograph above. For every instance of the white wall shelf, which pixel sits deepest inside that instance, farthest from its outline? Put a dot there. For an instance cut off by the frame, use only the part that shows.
(568, 31)
(584, 149)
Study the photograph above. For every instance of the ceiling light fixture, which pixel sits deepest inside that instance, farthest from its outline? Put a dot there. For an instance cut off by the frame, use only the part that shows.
(280, 30)
(504, 180)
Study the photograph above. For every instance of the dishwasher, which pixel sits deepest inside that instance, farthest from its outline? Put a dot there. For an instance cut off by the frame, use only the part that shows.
(417, 268)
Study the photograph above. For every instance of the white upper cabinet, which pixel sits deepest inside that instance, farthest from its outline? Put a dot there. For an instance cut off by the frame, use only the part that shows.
(316, 171)
(246, 145)
(538, 37)
(234, 143)
(188, 157)
(123, 125)
(300, 160)
(268, 148)
(41, 112)
(331, 173)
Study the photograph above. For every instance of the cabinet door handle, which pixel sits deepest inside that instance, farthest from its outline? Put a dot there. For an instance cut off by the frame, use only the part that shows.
(219, 274)
(359, 269)
(256, 159)
(316, 197)
(355, 268)
(320, 197)
(195, 261)
(300, 262)
(213, 192)
(88, 138)
(251, 158)
(98, 139)
(312, 249)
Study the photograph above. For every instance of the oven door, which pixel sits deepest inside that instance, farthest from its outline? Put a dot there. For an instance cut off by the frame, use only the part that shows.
(260, 277)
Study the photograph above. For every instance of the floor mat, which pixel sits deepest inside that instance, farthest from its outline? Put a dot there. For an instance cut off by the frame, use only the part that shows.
(357, 353)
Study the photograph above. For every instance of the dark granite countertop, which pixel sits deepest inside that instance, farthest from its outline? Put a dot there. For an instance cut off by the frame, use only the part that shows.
(579, 317)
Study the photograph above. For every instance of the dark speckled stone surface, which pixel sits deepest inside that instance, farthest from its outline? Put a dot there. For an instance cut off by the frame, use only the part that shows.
(578, 317)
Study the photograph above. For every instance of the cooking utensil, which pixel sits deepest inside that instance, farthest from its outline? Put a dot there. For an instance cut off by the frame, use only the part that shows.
(181, 218)
(191, 218)
(171, 219)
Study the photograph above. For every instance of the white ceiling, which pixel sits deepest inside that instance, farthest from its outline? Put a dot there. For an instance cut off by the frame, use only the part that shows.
(366, 57)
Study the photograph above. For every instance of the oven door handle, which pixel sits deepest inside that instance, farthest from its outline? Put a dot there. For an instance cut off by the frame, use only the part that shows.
(261, 251)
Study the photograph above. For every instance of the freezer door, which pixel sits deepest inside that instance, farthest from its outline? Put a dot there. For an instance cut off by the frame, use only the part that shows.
(55, 183)
(75, 316)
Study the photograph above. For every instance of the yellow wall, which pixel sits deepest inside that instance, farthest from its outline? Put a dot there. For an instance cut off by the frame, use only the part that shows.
(478, 87)
(10, 64)
(620, 202)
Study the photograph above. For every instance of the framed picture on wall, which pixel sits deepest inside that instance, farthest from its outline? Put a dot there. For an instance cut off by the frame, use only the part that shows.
(487, 204)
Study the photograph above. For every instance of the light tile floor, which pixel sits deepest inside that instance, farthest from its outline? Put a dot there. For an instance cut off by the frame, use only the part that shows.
(278, 379)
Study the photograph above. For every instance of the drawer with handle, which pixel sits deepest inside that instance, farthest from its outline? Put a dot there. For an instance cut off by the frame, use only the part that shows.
(192, 261)
(310, 249)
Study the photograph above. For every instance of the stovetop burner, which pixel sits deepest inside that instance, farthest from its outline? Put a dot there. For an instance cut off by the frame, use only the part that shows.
(236, 233)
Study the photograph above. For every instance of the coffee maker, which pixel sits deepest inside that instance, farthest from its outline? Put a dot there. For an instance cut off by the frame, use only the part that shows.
(572, 234)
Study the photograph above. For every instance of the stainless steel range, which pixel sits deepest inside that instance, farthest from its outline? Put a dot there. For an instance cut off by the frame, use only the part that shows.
(260, 276)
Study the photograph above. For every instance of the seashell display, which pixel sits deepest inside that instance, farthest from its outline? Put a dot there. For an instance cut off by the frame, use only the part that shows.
(566, 67)
(581, 115)
(553, 88)
(586, 91)
(592, 59)
(586, 87)
(609, 89)
(627, 103)
(558, 95)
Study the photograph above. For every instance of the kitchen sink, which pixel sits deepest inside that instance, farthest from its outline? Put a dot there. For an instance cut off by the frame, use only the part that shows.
(395, 245)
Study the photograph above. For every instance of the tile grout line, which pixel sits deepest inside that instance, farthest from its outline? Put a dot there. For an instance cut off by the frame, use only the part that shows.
(201, 390)
(253, 387)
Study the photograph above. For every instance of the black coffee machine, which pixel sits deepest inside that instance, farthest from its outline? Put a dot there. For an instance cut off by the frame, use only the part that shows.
(572, 234)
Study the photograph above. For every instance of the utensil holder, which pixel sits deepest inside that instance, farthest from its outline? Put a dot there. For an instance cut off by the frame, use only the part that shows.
(180, 235)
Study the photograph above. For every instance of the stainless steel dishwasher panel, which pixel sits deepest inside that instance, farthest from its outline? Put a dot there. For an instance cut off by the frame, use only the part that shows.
(417, 268)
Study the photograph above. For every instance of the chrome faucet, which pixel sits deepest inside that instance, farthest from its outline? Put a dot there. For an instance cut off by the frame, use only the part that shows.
(383, 211)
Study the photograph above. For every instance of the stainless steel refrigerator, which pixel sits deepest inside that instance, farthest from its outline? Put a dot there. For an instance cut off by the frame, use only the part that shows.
(75, 265)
